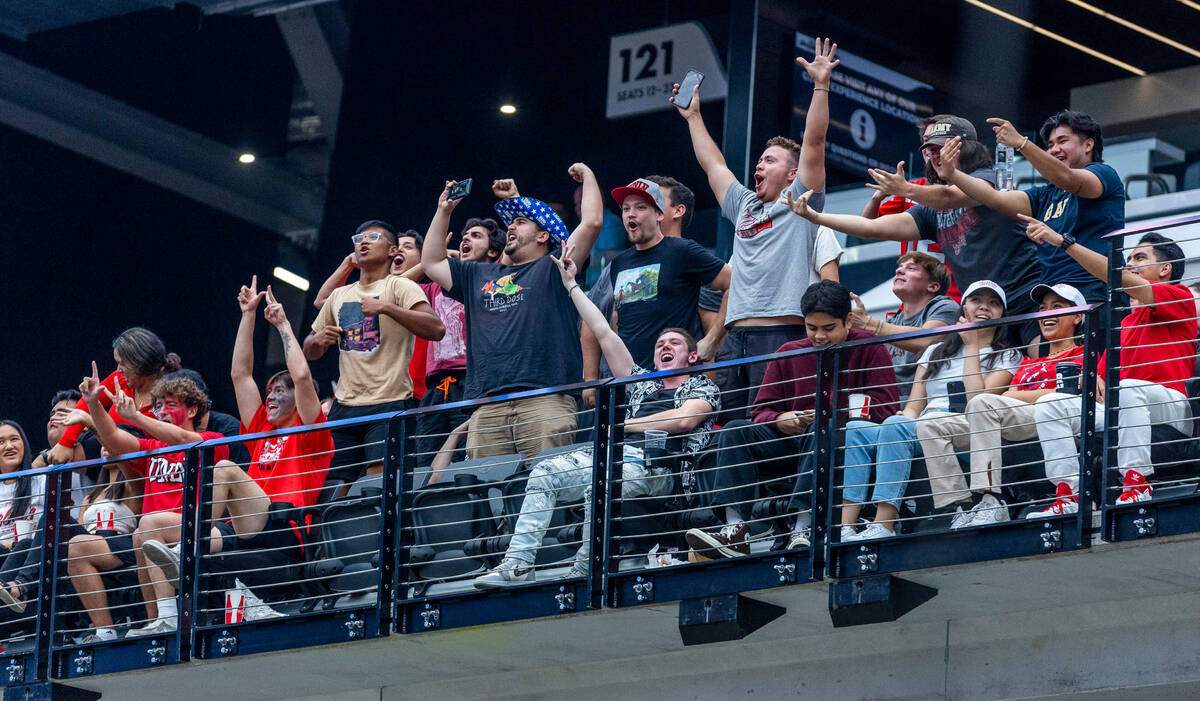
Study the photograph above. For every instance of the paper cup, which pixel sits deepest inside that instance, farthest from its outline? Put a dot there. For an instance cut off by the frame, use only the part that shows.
(656, 440)
(860, 405)
(235, 605)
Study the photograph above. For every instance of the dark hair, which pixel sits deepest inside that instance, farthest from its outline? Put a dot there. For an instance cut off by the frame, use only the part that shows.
(974, 156)
(1167, 251)
(950, 347)
(21, 495)
(496, 235)
(1082, 124)
(378, 224)
(413, 234)
(787, 144)
(144, 351)
(680, 195)
(688, 338)
(935, 268)
(65, 395)
(828, 297)
(285, 378)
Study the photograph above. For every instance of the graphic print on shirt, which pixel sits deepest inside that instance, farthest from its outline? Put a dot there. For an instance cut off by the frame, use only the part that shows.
(501, 295)
(361, 332)
(162, 470)
(271, 450)
(750, 226)
(637, 284)
(454, 344)
(953, 226)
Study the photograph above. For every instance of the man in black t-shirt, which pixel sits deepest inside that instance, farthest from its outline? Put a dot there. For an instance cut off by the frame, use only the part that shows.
(656, 283)
(522, 332)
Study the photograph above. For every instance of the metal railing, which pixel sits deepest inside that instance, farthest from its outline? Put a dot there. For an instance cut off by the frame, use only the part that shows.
(602, 511)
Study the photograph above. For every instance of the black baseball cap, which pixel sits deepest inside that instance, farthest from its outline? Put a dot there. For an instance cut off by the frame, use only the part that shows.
(941, 131)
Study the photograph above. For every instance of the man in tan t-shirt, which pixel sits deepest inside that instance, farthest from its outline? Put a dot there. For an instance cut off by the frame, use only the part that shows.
(372, 322)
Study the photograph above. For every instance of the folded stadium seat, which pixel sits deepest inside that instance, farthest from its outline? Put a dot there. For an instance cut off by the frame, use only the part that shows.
(342, 555)
(444, 518)
(495, 468)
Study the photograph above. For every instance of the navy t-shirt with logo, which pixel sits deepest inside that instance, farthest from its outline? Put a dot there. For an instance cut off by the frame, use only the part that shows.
(1087, 219)
(659, 288)
(522, 328)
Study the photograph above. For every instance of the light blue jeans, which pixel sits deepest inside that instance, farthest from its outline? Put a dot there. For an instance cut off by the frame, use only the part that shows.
(889, 448)
(568, 477)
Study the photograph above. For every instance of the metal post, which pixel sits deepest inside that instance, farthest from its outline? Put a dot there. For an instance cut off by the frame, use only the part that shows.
(824, 458)
(57, 484)
(1092, 347)
(197, 491)
(739, 103)
(398, 460)
(405, 537)
(610, 434)
(1112, 363)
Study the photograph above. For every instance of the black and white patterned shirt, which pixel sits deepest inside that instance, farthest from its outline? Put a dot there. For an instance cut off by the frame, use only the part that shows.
(694, 387)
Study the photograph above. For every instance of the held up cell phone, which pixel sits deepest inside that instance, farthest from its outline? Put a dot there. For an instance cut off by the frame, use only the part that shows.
(683, 99)
(459, 190)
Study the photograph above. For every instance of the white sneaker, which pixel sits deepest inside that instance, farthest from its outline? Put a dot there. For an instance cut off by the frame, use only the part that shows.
(961, 519)
(989, 510)
(165, 556)
(256, 608)
(509, 572)
(159, 626)
(848, 534)
(874, 531)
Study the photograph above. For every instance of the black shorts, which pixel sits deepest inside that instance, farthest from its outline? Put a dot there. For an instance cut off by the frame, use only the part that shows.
(360, 446)
(121, 546)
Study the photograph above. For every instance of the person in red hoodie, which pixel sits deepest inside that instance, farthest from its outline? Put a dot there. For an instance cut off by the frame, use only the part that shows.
(772, 446)
(1158, 342)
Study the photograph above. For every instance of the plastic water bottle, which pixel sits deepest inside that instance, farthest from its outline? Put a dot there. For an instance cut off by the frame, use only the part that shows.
(1004, 167)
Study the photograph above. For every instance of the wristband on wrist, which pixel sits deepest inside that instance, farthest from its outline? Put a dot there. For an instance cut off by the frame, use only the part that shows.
(572, 288)
(816, 88)
(1023, 144)
(44, 456)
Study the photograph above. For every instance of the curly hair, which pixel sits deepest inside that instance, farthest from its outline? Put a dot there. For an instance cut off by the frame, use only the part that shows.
(185, 390)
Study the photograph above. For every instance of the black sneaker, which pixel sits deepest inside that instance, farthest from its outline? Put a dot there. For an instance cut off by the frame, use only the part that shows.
(730, 541)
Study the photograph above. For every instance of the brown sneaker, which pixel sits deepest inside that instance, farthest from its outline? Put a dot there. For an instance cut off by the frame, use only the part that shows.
(730, 541)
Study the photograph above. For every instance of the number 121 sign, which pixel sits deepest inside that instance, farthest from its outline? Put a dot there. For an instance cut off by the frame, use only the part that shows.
(642, 67)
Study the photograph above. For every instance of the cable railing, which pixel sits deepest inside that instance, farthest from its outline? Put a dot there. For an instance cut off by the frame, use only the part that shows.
(653, 495)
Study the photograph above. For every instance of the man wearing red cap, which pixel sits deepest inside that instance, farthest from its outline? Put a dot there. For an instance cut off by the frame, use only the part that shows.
(656, 283)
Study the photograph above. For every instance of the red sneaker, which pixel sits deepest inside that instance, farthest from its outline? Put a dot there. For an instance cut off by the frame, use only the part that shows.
(1136, 488)
(1066, 503)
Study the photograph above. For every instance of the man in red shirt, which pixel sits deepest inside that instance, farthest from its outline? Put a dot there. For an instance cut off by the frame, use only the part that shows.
(178, 403)
(1158, 340)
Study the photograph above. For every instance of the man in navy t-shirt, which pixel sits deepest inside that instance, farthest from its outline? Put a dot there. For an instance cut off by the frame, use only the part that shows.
(656, 283)
(1084, 199)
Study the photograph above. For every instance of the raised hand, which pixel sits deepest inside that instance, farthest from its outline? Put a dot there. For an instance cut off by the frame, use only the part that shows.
(947, 165)
(90, 387)
(77, 417)
(888, 184)
(446, 204)
(822, 64)
(800, 206)
(1039, 232)
(566, 265)
(693, 108)
(249, 297)
(1005, 132)
(505, 188)
(578, 171)
(859, 319)
(273, 312)
(123, 404)
(351, 260)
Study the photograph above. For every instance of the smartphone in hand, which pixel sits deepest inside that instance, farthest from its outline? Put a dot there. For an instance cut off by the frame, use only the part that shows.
(683, 99)
(459, 190)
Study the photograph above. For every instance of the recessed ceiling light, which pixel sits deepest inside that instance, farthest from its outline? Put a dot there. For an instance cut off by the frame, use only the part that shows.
(508, 109)
(246, 158)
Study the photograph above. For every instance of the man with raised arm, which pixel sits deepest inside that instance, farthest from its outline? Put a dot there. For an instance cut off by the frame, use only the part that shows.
(1158, 342)
(372, 322)
(521, 333)
(769, 247)
(1083, 201)
(978, 243)
(178, 403)
(681, 405)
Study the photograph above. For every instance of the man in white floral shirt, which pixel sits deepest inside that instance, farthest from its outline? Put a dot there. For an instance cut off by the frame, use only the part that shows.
(684, 406)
